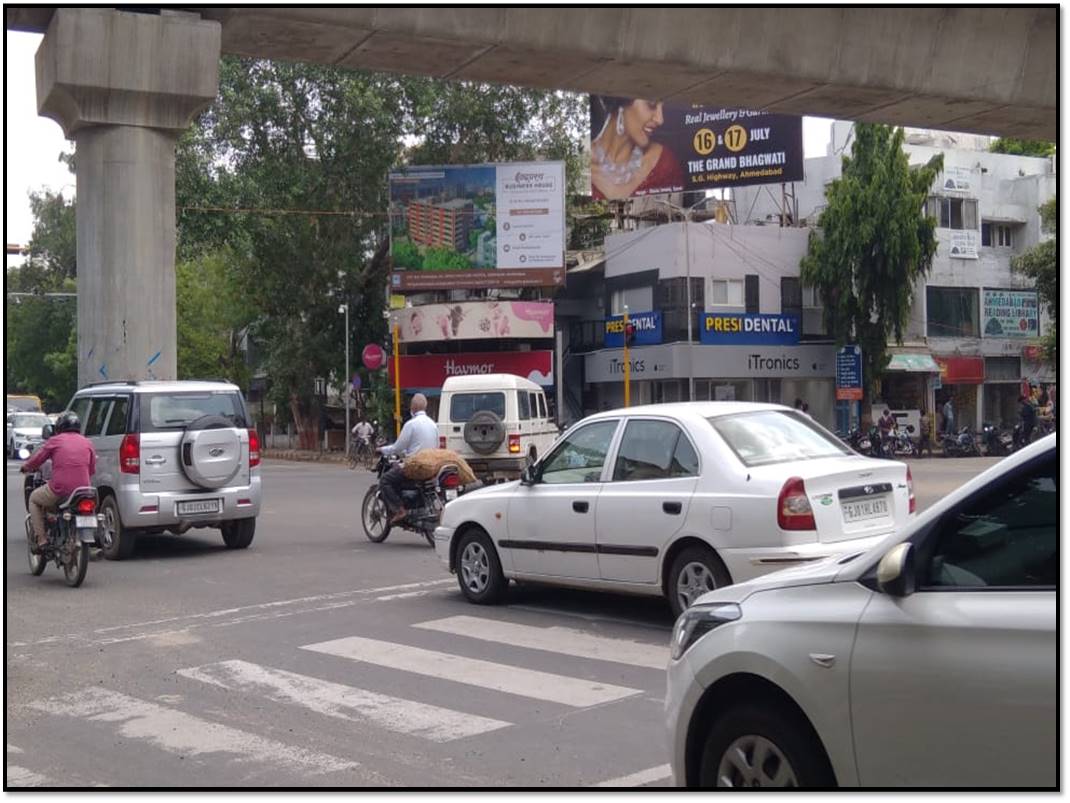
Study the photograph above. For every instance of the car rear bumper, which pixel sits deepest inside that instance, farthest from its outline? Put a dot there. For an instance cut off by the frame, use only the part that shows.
(497, 468)
(747, 563)
(140, 509)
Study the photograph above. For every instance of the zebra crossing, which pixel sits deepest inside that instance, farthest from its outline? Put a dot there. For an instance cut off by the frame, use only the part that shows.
(163, 723)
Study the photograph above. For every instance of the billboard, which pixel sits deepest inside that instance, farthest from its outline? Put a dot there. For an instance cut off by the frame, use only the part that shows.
(474, 320)
(644, 147)
(477, 226)
(647, 329)
(1009, 313)
(741, 329)
(432, 370)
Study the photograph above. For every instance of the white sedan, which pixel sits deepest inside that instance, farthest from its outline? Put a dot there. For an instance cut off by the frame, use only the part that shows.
(674, 500)
(930, 660)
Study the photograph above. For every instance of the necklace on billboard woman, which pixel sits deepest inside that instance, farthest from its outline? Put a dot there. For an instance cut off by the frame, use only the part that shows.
(620, 173)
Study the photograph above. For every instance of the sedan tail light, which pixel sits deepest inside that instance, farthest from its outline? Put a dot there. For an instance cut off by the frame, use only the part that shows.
(130, 454)
(793, 511)
(514, 444)
(910, 491)
(85, 507)
(254, 448)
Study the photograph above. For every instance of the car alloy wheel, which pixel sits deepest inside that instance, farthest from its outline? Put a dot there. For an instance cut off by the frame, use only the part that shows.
(755, 762)
(475, 567)
(694, 580)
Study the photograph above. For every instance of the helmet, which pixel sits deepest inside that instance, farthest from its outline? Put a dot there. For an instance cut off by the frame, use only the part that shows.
(68, 422)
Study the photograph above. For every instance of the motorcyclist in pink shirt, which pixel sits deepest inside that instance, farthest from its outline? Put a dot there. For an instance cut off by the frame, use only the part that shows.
(73, 464)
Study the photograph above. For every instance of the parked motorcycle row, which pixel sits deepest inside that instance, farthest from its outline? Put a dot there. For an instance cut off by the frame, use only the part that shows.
(990, 442)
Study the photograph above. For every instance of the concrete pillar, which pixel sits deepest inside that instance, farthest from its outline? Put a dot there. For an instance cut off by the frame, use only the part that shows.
(124, 86)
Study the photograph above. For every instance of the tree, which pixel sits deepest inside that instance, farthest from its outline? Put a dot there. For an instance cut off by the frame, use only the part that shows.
(1022, 147)
(874, 242)
(211, 315)
(1040, 263)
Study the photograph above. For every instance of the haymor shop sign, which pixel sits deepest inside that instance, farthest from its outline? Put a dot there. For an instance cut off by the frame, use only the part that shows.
(717, 329)
(432, 370)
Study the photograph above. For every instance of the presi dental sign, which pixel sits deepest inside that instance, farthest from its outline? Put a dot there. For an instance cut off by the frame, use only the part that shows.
(740, 329)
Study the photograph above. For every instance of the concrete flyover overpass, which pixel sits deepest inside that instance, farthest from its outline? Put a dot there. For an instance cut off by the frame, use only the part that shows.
(124, 85)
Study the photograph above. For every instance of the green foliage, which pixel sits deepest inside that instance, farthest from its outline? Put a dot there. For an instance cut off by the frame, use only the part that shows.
(407, 255)
(1022, 147)
(445, 259)
(53, 242)
(874, 242)
(1041, 264)
(211, 315)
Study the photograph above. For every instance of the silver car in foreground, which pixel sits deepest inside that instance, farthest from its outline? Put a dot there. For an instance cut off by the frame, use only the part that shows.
(171, 456)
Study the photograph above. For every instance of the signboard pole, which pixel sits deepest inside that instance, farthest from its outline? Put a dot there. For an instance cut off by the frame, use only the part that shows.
(397, 385)
(627, 364)
(348, 385)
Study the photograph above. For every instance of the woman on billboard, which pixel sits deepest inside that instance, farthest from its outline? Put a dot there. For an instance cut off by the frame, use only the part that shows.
(625, 160)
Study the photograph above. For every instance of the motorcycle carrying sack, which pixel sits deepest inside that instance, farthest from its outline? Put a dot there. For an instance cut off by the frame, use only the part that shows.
(426, 463)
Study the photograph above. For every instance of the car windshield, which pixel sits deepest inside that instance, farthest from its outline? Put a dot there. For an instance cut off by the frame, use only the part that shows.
(165, 411)
(28, 420)
(766, 437)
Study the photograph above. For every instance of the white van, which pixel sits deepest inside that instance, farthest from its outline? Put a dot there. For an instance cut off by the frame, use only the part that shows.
(498, 422)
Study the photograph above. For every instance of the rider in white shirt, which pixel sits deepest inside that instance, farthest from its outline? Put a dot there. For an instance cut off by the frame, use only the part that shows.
(419, 432)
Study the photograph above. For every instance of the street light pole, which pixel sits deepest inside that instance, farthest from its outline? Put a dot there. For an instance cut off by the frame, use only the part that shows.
(348, 382)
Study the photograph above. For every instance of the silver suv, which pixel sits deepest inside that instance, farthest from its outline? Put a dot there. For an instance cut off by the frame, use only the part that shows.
(171, 456)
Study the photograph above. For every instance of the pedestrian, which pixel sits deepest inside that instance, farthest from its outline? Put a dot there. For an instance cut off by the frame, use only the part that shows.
(798, 404)
(886, 424)
(925, 442)
(949, 416)
(1027, 415)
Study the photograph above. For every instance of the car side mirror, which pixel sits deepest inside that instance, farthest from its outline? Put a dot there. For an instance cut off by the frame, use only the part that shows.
(46, 432)
(527, 476)
(895, 572)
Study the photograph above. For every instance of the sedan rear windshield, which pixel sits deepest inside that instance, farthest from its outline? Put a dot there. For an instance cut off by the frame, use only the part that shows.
(465, 405)
(161, 412)
(776, 436)
(25, 420)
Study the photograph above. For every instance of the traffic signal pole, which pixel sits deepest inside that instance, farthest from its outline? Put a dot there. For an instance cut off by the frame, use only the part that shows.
(627, 364)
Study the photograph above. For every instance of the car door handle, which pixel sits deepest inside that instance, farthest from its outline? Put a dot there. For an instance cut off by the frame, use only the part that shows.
(580, 507)
(672, 508)
(155, 461)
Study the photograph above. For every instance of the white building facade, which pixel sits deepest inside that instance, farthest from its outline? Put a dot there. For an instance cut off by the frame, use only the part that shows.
(976, 318)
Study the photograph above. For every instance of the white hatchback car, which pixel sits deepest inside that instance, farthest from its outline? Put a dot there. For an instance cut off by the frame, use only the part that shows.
(928, 661)
(674, 500)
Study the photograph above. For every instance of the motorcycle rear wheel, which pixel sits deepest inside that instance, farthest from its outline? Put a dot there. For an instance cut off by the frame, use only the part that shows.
(37, 562)
(374, 516)
(75, 568)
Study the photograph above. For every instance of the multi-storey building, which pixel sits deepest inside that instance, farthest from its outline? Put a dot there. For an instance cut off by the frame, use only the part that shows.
(975, 323)
(443, 224)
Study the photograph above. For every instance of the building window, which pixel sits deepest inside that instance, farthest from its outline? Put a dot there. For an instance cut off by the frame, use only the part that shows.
(953, 213)
(997, 235)
(952, 312)
(638, 299)
(726, 293)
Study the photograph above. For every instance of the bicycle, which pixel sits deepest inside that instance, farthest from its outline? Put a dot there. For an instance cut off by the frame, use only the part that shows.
(360, 454)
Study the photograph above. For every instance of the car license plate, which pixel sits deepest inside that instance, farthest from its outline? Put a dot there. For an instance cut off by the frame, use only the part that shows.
(85, 521)
(451, 494)
(200, 506)
(865, 509)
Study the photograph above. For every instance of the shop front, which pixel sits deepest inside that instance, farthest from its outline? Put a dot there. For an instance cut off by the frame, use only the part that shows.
(907, 386)
(961, 380)
(763, 373)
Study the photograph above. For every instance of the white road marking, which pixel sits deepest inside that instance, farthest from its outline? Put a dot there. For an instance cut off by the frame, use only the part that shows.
(238, 615)
(344, 702)
(406, 595)
(589, 617)
(20, 776)
(553, 639)
(12, 749)
(561, 689)
(641, 778)
(184, 734)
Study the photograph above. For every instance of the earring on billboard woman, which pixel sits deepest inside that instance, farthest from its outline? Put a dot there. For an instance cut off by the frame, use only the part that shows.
(620, 121)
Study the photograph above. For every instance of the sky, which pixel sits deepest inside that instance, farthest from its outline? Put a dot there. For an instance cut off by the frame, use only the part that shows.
(33, 143)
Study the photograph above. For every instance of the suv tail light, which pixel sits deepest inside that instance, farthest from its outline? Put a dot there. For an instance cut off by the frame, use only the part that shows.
(130, 454)
(441, 441)
(910, 490)
(514, 444)
(254, 448)
(793, 511)
(85, 507)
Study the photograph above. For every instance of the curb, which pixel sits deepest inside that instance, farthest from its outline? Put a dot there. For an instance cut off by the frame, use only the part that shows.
(300, 456)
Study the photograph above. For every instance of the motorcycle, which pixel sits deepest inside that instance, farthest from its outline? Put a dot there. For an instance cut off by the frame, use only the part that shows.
(997, 443)
(72, 529)
(901, 444)
(962, 444)
(424, 501)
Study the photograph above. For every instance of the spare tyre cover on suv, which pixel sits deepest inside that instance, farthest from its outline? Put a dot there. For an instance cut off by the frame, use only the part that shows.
(484, 432)
(210, 451)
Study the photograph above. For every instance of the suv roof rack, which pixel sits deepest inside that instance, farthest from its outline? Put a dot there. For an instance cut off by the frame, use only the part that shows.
(209, 379)
(110, 382)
